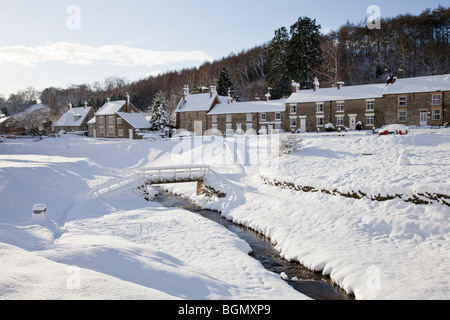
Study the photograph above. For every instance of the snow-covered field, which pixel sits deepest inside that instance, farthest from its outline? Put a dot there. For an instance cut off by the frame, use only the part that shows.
(118, 246)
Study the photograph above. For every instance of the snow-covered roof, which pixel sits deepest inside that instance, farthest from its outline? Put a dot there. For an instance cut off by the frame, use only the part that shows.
(137, 120)
(3, 119)
(420, 84)
(370, 91)
(110, 108)
(249, 107)
(73, 118)
(196, 102)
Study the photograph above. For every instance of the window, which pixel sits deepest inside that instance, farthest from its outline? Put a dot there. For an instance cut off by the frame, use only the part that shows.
(319, 122)
(340, 107)
(214, 128)
(402, 116)
(182, 116)
(370, 120)
(119, 120)
(277, 116)
(369, 105)
(249, 117)
(214, 119)
(101, 119)
(102, 130)
(229, 118)
(111, 130)
(121, 133)
(436, 114)
(263, 117)
(111, 120)
(436, 100)
(402, 101)
(293, 108)
(182, 125)
(293, 122)
(340, 121)
(319, 107)
(196, 115)
(190, 126)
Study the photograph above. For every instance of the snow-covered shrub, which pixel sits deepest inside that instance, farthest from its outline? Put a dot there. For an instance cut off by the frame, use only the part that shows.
(329, 127)
(290, 144)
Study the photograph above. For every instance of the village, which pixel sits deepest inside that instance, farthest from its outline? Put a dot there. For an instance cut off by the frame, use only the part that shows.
(413, 102)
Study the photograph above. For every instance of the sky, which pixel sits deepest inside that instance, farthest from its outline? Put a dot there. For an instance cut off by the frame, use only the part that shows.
(59, 43)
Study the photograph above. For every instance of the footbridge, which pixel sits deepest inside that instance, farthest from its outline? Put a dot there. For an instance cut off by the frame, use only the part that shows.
(175, 174)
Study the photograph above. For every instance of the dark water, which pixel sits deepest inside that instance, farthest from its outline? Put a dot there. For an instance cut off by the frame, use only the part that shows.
(310, 283)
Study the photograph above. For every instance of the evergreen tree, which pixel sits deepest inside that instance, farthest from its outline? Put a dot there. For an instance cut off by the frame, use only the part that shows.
(224, 83)
(277, 77)
(304, 51)
(160, 116)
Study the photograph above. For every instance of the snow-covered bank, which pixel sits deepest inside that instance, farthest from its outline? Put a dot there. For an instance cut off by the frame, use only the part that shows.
(375, 249)
(117, 245)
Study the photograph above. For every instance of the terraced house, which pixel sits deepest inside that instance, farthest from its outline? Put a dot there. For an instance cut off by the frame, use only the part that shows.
(422, 101)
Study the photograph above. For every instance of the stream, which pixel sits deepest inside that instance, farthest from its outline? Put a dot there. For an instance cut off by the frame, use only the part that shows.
(310, 283)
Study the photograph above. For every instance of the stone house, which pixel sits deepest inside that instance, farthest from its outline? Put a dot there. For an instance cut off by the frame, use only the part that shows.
(422, 101)
(118, 119)
(344, 107)
(74, 120)
(192, 109)
(254, 117)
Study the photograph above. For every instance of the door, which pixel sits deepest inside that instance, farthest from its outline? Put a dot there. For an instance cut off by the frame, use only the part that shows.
(423, 118)
(303, 124)
(270, 128)
(352, 121)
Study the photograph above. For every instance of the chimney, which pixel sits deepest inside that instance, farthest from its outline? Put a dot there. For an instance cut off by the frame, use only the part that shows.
(185, 92)
(212, 91)
(70, 105)
(230, 99)
(85, 104)
(340, 84)
(127, 96)
(295, 87)
(316, 84)
(268, 97)
(108, 100)
(391, 79)
(257, 97)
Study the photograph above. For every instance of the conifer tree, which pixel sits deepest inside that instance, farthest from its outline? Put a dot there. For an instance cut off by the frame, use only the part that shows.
(277, 72)
(160, 116)
(224, 82)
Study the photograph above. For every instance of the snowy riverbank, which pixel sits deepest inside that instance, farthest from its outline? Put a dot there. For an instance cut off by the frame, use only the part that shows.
(125, 248)
(390, 249)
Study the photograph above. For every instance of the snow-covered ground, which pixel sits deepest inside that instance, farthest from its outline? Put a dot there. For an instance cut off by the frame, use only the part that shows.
(118, 246)
(392, 249)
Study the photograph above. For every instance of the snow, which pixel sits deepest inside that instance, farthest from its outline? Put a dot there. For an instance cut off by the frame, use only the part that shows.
(420, 84)
(110, 108)
(73, 118)
(136, 120)
(373, 91)
(375, 249)
(115, 245)
(196, 102)
(249, 107)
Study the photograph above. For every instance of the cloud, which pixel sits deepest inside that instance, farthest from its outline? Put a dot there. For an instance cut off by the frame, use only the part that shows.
(77, 54)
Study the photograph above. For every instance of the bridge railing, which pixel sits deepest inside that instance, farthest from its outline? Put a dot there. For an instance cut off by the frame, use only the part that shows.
(174, 173)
